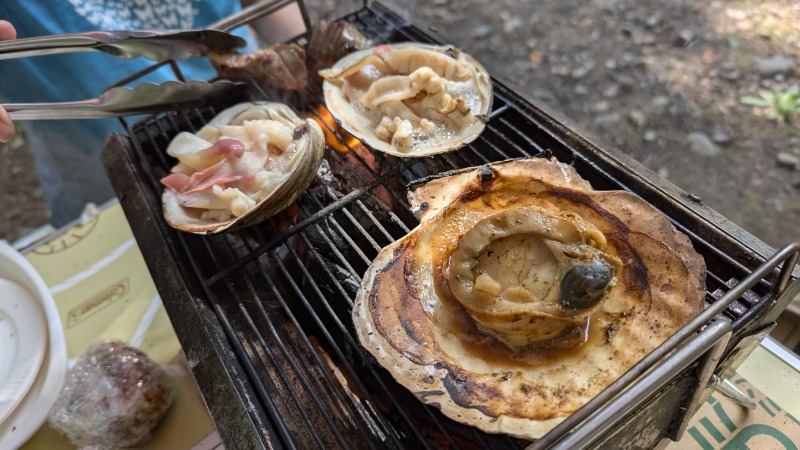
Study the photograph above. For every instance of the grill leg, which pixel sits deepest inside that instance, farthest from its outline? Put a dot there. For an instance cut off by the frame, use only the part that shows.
(707, 364)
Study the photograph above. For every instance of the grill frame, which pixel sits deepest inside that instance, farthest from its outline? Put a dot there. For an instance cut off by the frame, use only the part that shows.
(219, 330)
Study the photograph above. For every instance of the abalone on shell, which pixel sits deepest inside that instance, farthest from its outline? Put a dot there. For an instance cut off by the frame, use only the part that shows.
(523, 293)
(248, 163)
(409, 99)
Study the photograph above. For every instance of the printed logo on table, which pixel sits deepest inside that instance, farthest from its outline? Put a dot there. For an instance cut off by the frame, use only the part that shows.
(92, 306)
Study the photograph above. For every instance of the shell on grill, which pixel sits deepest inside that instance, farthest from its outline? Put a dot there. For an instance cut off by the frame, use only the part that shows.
(523, 293)
(331, 41)
(282, 66)
(248, 163)
(409, 99)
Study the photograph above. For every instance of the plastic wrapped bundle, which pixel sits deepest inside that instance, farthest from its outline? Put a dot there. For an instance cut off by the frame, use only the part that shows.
(113, 397)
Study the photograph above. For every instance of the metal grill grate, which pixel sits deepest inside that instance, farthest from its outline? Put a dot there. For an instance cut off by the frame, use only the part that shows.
(272, 303)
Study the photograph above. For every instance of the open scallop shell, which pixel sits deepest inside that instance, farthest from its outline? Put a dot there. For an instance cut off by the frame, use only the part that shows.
(298, 171)
(410, 318)
(409, 99)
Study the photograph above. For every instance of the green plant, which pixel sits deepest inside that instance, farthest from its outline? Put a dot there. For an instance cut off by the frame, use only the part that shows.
(780, 104)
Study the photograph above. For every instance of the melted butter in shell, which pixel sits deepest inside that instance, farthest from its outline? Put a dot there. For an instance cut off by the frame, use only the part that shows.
(507, 272)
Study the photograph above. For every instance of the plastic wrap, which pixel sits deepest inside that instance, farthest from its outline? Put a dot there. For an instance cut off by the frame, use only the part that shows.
(113, 397)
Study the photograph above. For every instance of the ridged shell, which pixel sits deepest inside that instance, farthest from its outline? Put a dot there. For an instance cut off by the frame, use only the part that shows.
(446, 61)
(302, 170)
(407, 317)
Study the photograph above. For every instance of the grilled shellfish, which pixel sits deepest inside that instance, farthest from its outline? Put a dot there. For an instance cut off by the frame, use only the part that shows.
(523, 293)
(248, 163)
(409, 99)
(282, 66)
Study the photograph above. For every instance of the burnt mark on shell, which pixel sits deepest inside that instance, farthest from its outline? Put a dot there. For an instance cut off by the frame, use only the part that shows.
(486, 173)
(634, 273)
(584, 199)
(471, 194)
(469, 395)
(610, 331)
(421, 210)
(425, 394)
(411, 329)
(377, 310)
(453, 52)
(300, 131)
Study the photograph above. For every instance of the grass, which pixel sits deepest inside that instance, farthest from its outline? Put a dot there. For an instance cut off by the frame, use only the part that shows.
(783, 105)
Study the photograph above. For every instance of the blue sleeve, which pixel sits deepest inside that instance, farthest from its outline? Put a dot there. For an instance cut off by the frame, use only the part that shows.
(79, 76)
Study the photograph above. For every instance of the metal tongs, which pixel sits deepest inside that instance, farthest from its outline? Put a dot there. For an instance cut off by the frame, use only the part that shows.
(158, 46)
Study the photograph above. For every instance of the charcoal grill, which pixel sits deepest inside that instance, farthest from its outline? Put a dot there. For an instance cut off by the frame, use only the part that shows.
(263, 313)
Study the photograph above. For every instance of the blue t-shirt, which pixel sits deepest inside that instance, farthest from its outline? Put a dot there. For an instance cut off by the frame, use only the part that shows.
(67, 151)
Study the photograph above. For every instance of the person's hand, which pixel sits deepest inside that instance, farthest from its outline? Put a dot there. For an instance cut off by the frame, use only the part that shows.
(7, 32)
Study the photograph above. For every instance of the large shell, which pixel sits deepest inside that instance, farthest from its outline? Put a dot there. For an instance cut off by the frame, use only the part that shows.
(300, 167)
(410, 319)
(409, 99)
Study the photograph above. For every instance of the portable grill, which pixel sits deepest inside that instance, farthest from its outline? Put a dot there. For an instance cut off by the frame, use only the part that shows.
(263, 313)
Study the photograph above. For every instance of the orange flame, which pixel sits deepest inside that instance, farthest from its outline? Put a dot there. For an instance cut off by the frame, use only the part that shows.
(326, 122)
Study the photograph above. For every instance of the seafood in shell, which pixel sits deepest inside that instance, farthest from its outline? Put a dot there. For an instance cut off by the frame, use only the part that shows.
(331, 40)
(248, 163)
(409, 99)
(523, 293)
(282, 66)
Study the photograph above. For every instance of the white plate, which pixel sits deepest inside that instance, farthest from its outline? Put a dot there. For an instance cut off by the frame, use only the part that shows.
(23, 334)
(32, 411)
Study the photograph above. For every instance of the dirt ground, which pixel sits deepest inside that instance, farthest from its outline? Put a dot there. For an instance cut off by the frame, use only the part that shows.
(660, 80)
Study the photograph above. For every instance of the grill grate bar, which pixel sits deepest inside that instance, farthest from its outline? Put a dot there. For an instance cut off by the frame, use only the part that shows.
(269, 405)
(271, 408)
(277, 296)
(282, 375)
(308, 221)
(261, 388)
(341, 327)
(363, 357)
(372, 219)
(346, 237)
(392, 216)
(530, 142)
(386, 426)
(291, 361)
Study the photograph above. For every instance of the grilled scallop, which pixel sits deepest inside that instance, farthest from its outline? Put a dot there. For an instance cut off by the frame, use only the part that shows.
(409, 99)
(523, 293)
(247, 164)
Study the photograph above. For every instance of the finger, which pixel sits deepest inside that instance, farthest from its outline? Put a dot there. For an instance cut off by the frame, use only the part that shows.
(7, 30)
(6, 127)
